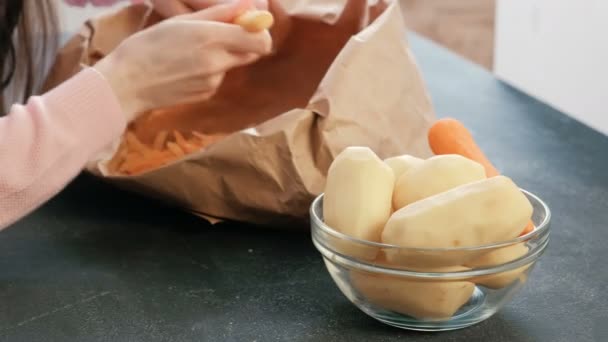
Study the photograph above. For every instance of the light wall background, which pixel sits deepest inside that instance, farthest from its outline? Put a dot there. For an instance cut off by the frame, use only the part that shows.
(557, 51)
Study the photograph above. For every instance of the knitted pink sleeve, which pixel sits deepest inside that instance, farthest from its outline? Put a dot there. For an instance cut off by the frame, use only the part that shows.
(46, 143)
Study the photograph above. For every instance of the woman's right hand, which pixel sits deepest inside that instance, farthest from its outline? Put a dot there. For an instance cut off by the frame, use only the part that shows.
(171, 8)
(181, 60)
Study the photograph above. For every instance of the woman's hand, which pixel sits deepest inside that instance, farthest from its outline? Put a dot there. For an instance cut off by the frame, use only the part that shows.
(96, 3)
(181, 60)
(171, 8)
(166, 8)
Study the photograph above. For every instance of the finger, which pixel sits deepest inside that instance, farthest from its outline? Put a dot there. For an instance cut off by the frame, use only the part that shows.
(205, 96)
(76, 3)
(238, 59)
(223, 12)
(196, 97)
(261, 4)
(170, 9)
(222, 61)
(214, 82)
(210, 87)
(247, 58)
(103, 3)
(198, 5)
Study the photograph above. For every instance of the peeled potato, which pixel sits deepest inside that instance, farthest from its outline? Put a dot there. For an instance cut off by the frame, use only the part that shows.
(358, 192)
(435, 175)
(423, 258)
(402, 164)
(433, 299)
(474, 214)
(500, 256)
(483, 212)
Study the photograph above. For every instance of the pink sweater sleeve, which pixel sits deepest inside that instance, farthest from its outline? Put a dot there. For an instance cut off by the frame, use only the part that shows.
(47, 142)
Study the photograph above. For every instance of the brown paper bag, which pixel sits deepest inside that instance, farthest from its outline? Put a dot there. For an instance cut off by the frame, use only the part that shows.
(342, 74)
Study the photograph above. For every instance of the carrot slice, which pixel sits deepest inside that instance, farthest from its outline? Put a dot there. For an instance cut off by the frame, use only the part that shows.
(175, 149)
(159, 140)
(134, 143)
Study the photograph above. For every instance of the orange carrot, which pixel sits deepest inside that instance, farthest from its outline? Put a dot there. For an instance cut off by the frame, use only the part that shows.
(179, 138)
(450, 136)
(176, 150)
(134, 156)
(119, 157)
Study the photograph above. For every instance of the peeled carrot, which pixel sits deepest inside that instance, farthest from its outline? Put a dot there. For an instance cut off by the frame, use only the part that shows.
(450, 136)
(159, 140)
(175, 149)
(179, 138)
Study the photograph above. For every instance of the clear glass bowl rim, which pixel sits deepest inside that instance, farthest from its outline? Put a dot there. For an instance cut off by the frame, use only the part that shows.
(540, 233)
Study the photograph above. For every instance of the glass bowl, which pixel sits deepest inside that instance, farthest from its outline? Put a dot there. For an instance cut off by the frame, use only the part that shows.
(430, 289)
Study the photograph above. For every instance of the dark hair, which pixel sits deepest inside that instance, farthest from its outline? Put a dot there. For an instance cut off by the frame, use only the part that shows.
(28, 38)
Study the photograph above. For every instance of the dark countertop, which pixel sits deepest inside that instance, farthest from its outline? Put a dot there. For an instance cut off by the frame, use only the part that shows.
(86, 268)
